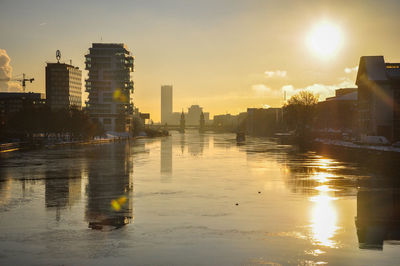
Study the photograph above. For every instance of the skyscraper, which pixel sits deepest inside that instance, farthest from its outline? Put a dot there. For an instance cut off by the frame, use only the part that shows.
(166, 103)
(110, 86)
(63, 86)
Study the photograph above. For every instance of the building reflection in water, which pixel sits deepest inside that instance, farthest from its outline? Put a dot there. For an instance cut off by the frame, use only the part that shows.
(110, 187)
(182, 142)
(378, 216)
(5, 191)
(166, 155)
(198, 143)
(62, 187)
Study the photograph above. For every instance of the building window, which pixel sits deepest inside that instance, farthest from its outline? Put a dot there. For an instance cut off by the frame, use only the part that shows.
(107, 121)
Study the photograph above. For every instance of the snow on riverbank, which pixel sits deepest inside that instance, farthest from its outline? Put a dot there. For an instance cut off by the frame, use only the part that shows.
(349, 144)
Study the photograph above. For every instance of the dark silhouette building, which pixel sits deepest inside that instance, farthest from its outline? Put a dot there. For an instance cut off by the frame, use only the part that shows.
(379, 97)
(230, 123)
(13, 102)
(338, 113)
(166, 104)
(182, 123)
(263, 122)
(63, 86)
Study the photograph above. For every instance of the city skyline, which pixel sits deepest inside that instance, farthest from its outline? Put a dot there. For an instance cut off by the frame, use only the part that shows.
(199, 132)
(226, 56)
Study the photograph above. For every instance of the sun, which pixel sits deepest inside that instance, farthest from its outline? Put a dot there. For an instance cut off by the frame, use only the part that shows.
(325, 40)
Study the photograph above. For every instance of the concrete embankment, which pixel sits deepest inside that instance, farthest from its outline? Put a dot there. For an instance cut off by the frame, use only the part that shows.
(369, 155)
(15, 146)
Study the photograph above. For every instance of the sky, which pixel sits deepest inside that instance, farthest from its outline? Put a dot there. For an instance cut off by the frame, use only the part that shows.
(225, 56)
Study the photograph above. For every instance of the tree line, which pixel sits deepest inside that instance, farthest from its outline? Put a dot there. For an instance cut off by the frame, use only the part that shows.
(41, 122)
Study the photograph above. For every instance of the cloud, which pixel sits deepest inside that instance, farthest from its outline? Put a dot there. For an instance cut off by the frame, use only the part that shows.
(260, 88)
(322, 90)
(6, 74)
(43, 24)
(349, 70)
(275, 74)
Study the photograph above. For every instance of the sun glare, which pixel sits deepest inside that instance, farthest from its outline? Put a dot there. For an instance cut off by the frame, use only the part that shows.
(325, 39)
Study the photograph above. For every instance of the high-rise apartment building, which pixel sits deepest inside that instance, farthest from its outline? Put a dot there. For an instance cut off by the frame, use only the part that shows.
(110, 85)
(63, 86)
(166, 104)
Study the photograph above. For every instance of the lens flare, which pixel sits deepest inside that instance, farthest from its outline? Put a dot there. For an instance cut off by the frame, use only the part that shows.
(120, 96)
(118, 203)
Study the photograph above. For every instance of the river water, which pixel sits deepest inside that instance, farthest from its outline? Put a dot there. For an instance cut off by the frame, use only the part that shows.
(196, 199)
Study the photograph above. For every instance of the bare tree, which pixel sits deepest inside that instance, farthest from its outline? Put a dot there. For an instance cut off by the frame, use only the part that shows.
(299, 112)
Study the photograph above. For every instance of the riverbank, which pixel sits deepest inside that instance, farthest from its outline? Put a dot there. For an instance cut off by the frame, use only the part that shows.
(356, 146)
(15, 146)
(48, 144)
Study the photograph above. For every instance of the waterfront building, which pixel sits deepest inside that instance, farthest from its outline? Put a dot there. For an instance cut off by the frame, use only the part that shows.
(175, 118)
(166, 104)
(263, 122)
(230, 123)
(225, 122)
(110, 86)
(378, 97)
(338, 113)
(63, 86)
(193, 115)
(202, 123)
(12, 102)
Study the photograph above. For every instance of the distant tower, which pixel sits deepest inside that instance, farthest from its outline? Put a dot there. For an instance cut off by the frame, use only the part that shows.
(201, 128)
(166, 103)
(182, 123)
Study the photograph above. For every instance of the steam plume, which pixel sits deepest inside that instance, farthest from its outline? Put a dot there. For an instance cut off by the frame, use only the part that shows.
(6, 85)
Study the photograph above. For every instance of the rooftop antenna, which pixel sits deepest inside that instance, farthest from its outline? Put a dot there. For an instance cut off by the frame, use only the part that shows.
(58, 56)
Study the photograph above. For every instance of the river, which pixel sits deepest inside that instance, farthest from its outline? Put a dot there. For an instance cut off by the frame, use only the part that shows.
(196, 199)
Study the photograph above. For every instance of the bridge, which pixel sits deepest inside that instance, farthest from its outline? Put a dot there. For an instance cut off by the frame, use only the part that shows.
(177, 127)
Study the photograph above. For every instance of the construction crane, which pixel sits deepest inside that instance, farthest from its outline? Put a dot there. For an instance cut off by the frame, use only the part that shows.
(23, 80)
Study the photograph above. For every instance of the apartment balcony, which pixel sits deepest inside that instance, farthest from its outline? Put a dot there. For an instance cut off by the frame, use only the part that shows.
(129, 63)
(129, 85)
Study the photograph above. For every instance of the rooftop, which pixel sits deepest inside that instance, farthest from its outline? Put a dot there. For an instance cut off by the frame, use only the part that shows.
(57, 64)
(374, 68)
(9, 95)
